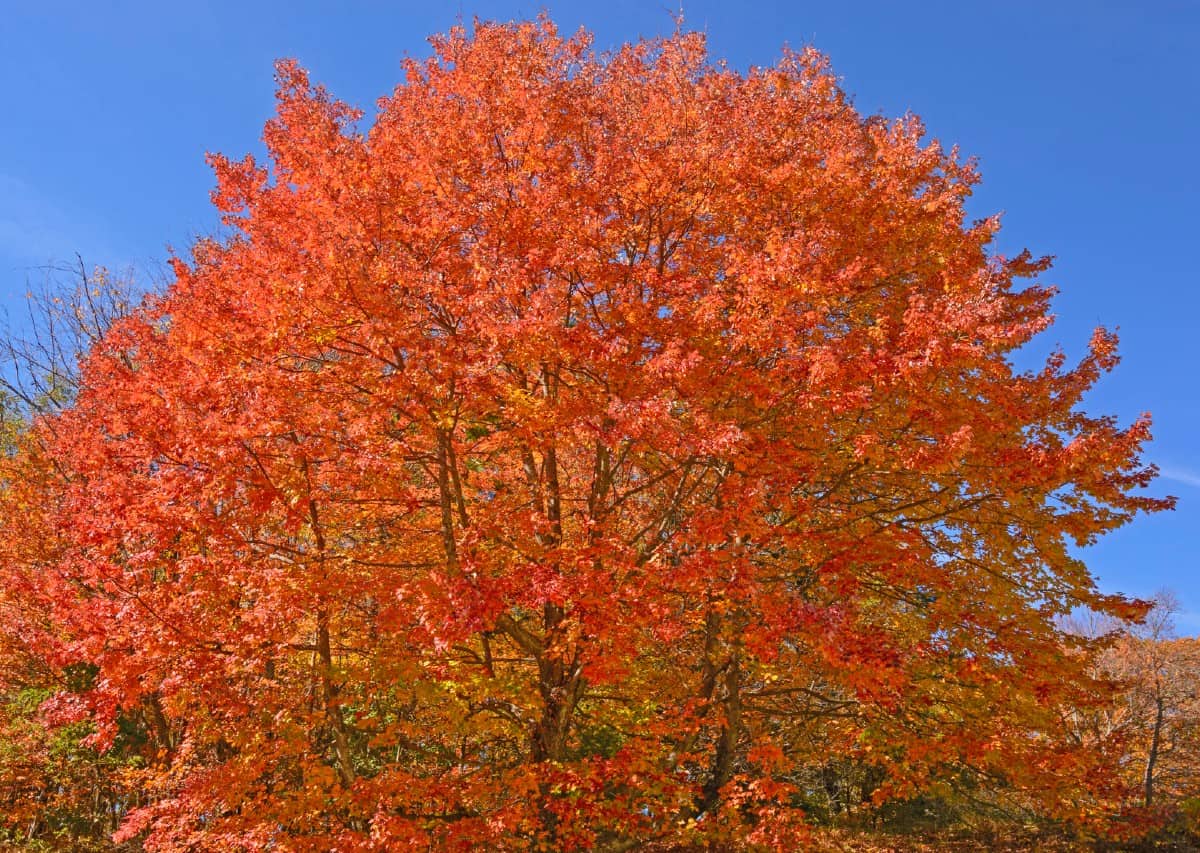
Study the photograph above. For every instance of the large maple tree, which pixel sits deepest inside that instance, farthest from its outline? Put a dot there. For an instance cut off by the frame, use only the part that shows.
(586, 452)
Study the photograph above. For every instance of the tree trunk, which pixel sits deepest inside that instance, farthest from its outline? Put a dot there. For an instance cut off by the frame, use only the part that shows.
(1152, 754)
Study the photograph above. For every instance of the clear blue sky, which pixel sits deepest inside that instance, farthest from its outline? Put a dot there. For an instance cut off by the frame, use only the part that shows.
(1085, 117)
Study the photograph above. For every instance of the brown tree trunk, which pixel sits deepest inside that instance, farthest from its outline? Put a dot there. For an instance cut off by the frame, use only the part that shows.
(727, 742)
(1152, 754)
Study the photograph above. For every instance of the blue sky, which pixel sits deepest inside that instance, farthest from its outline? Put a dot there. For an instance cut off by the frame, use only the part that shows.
(1085, 117)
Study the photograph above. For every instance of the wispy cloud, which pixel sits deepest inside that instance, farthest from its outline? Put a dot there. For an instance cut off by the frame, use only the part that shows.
(35, 230)
(1180, 475)
(28, 223)
(1187, 624)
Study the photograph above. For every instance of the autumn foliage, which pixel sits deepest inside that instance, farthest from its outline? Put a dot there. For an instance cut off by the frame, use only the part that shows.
(589, 451)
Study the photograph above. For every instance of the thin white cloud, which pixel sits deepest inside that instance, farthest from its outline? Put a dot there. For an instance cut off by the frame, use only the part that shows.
(1187, 624)
(27, 223)
(1180, 475)
(35, 230)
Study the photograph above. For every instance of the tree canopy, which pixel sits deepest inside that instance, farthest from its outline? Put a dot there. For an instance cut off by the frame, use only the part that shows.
(588, 451)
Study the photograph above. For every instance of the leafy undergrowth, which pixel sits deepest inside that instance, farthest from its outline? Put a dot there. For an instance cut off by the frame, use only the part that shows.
(959, 842)
(842, 841)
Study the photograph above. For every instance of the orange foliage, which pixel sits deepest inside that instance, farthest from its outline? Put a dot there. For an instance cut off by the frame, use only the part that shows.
(572, 458)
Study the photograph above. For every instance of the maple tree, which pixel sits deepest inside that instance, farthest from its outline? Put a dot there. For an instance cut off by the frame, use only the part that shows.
(594, 451)
(1156, 713)
(1162, 703)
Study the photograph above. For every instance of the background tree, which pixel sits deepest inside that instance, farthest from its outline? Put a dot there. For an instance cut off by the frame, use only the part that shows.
(1154, 716)
(586, 454)
(1162, 702)
(67, 313)
(55, 790)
